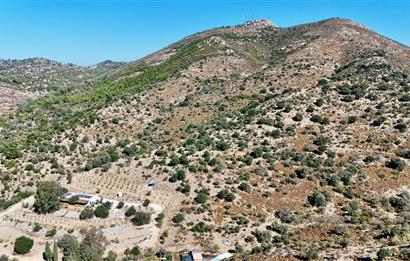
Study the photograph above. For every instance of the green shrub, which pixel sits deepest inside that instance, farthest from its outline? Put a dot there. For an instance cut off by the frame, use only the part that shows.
(226, 195)
(178, 218)
(396, 163)
(141, 218)
(120, 205)
(202, 196)
(317, 199)
(245, 187)
(130, 211)
(102, 211)
(179, 175)
(201, 227)
(23, 245)
(52, 232)
(298, 117)
(87, 213)
(11, 151)
(285, 215)
(222, 145)
(37, 227)
(382, 253)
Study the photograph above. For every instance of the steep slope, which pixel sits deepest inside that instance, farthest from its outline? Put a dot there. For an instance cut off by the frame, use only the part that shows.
(284, 142)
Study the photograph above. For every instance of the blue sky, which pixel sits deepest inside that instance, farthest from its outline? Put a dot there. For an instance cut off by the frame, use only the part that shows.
(89, 31)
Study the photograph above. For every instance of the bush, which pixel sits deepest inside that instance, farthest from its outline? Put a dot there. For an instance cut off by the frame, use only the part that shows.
(130, 211)
(279, 228)
(285, 215)
(87, 213)
(103, 159)
(178, 218)
(136, 251)
(179, 175)
(245, 187)
(312, 255)
(120, 204)
(317, 199)
(401, 202)
(101, 211)
(22, 245)
(37, 227)
(396, 163)
(298, 117)
(262, 236)
(74, 199)
(201, 227)
(318, 119)
(11, 151)
(351, 119)
(226, 195)
(222, 145)
(405, 98)
(202, 196)
(146, 202)
(52, 232)
(400, 127)
(379, 121)
(141, 218)
(382, 253)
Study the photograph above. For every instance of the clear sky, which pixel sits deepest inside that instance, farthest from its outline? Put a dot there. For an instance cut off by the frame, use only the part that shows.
(86, 32)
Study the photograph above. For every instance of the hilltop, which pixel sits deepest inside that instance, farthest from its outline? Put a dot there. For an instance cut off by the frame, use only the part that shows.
(269, 142)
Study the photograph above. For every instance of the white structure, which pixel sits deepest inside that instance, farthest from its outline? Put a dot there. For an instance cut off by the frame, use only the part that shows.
(196, 255)
(83, 199)
(222, 256)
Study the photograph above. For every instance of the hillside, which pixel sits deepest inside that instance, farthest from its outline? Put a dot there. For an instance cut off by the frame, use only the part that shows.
(40, 75)
(23, 80)
(274, 143)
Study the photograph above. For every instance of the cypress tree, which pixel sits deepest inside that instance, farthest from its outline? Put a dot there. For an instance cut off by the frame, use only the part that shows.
(55, 252)
(48, 255)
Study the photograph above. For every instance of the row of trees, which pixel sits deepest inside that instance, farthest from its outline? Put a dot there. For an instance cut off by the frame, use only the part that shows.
(50, 255)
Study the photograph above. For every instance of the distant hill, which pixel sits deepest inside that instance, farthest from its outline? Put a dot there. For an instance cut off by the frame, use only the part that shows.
(41, 75)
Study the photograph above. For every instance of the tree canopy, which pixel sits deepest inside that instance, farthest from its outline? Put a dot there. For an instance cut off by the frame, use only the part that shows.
(48, 197)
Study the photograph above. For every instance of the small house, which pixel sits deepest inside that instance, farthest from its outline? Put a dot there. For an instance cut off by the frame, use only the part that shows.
(77, 198)
(194, 255)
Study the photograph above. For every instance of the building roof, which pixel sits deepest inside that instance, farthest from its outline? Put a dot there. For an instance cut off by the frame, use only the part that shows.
(196, 255)
(222, 256)
(83, 199)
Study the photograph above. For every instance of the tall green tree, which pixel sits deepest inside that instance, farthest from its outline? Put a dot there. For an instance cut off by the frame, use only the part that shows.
(55, 251)
(47, 255)
(48, 197)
